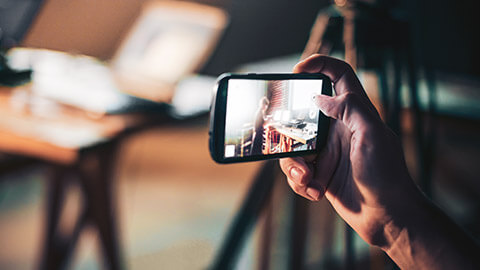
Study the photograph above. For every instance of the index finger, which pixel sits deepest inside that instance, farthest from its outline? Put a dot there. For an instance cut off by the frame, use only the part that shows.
(341, 74)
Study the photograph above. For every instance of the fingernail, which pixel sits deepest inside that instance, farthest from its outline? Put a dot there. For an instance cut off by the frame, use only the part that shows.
(313, 193)
(295, 173)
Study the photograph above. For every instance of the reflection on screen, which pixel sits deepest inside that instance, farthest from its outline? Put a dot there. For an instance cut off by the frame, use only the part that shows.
(269, 117)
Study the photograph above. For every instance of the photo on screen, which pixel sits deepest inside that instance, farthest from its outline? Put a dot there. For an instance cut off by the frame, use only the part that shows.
(266, 117)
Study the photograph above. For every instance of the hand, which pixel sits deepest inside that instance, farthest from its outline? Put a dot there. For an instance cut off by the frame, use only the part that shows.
(361, 171)
(363, 175)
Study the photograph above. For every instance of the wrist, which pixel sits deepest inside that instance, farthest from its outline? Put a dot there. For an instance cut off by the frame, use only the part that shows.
(406, 211)
(383, 220)
(411, 223)
(426, 238)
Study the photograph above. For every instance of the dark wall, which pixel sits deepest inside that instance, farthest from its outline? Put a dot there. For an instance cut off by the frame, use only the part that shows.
(262, 29)
(451, 35)
(448, 30)
(259, 29)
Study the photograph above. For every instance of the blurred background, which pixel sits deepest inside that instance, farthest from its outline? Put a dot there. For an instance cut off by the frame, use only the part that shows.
(104, 158)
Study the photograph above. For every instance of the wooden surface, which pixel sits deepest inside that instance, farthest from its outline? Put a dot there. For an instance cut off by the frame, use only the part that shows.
(50, 131)
(296, 134)
(80, 144)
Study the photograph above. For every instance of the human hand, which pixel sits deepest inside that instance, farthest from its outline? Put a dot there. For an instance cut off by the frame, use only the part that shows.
(361, 171)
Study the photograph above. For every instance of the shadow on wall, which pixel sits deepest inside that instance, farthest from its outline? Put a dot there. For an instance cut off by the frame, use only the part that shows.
(83, 26)
(257, 30)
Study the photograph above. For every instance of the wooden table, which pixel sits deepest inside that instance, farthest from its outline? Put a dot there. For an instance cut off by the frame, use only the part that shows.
(78, 146)
(290, 135)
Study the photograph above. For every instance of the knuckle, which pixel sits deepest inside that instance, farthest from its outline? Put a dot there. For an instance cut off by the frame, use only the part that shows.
(348, 68)
(363, 138)
(311, 64)
(347, 101)
(350, 98)
(354, 102)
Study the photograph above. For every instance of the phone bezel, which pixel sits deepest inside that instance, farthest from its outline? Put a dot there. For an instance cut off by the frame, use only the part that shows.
(218, 113)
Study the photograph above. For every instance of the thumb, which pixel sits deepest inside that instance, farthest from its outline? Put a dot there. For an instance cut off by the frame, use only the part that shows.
(350, 109)
(300, 178)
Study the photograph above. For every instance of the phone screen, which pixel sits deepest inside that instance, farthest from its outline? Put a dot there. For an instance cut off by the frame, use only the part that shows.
(268, 117)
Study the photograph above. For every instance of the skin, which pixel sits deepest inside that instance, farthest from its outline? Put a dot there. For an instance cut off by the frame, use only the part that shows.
(362, 173)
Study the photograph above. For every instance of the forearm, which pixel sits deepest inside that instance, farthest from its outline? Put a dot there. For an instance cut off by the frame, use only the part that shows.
(421, 236)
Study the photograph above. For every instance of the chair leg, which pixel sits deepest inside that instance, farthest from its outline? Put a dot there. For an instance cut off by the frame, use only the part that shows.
(247, 216)
(384, 90)
(417, 116)
(315, 43)
(52, 257)
(430, 132)
(298, 232)
(396, 107)
(265, 242)
(97, 182)
(59, 244)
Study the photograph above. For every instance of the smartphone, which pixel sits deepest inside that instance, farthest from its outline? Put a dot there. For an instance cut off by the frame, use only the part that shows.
(265, 116)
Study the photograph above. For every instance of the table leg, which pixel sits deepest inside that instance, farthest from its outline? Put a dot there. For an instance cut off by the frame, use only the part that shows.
(265, 242)
(94, 171)
(298, 232)
(97, 181)
(52, 253)
(247, 216)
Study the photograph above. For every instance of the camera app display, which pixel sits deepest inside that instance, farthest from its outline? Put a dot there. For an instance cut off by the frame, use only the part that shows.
(270, 116)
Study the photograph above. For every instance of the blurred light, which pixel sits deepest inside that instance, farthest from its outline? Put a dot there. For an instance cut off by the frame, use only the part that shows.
(193, 95)
(286, 116)
(303, 91)
(242, 102)
(80, 81)
(229, 150)
(277, 116)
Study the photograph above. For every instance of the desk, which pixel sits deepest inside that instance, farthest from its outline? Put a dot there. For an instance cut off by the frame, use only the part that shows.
(78, 146)
(290, 135)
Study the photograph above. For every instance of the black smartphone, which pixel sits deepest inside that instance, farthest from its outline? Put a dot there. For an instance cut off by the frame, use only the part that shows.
(264, 116)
